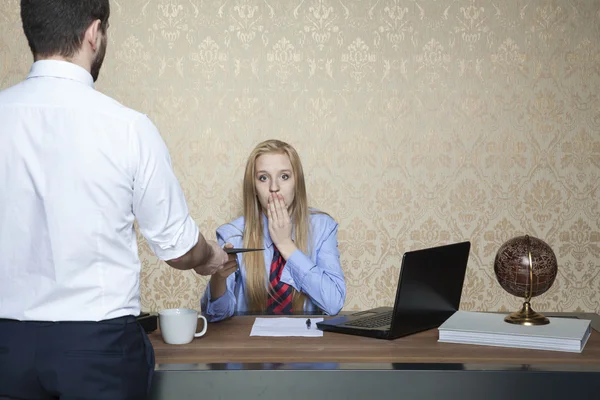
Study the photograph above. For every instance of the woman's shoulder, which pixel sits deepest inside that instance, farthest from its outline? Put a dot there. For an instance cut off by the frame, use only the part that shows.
(319, 217)
(233, 228)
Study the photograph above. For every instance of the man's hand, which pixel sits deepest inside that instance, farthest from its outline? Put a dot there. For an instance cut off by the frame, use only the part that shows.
(215, 261)
(205, 257)
(228, 268)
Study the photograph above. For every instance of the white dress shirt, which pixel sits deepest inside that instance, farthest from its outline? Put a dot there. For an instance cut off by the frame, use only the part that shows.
(76, 169)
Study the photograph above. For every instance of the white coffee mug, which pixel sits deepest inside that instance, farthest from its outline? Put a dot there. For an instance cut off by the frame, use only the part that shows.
(178, 325)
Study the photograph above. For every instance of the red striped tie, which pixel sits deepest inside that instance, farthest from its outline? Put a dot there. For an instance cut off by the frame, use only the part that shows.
(280, 297)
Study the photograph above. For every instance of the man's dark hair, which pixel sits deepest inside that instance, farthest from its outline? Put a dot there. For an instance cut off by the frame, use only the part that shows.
(57, 27)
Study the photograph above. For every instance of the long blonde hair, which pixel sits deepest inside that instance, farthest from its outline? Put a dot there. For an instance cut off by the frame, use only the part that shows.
(256, 281)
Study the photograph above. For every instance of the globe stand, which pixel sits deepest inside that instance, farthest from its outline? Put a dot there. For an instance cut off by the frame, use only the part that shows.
(527, 316)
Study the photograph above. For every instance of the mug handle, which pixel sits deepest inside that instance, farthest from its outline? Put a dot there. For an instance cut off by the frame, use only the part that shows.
(205, 326)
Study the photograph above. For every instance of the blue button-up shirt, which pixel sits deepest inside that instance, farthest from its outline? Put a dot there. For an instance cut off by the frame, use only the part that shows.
(319, 275)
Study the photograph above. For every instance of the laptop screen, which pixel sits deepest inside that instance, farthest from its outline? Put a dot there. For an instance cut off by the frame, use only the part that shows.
(431, 280)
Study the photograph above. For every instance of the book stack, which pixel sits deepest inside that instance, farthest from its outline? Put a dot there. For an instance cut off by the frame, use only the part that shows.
(490, 329)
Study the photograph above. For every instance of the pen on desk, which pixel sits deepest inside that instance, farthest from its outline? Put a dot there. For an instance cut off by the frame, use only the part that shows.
(308, 323)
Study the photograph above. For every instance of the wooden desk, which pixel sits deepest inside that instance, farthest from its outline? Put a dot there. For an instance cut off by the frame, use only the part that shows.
(228, 363)
(230, 341)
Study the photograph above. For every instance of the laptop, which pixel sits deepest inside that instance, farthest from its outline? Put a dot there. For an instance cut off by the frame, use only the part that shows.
(428, 293)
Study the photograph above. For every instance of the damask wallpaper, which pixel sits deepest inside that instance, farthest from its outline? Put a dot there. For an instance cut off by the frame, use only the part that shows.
(419, 123)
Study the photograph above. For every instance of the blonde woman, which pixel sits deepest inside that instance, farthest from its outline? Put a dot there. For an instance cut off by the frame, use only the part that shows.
(299, 270)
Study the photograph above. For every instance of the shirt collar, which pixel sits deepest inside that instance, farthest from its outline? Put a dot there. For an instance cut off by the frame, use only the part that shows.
(61, 69)
(266, 234)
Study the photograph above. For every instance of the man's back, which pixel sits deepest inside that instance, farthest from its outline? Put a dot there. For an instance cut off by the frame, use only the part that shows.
(69, 161)
(76, 170)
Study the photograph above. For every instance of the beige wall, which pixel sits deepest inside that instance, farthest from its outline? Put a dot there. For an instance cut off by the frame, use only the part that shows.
(419, 123)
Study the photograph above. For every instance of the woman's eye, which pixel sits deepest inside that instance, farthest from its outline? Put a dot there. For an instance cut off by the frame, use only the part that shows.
(285, 177)
(262, 178)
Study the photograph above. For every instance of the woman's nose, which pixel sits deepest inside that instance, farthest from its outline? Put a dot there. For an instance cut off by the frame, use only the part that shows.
(274, 187)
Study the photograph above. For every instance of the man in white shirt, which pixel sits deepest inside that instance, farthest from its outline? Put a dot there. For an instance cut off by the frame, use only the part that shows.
(76, 169)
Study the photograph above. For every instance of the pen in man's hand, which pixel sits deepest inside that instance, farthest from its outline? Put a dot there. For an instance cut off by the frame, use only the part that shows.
(308, 323)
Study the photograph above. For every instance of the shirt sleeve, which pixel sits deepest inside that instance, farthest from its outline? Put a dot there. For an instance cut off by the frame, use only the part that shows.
(159, 205)
(322, 281)
(224, 306)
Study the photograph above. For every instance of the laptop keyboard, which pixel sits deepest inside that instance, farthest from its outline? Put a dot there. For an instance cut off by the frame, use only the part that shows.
(376, 321)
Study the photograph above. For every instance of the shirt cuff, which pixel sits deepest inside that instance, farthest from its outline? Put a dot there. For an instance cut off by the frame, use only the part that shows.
(182, 242)
(295, 269)
(216, 310)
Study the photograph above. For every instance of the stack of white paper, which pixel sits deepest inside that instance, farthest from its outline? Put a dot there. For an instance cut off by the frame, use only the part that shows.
(490, 329)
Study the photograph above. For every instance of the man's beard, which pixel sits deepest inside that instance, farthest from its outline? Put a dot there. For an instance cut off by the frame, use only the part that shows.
(99, 59)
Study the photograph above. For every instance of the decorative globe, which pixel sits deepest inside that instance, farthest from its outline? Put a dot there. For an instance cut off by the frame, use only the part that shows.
(526, 266)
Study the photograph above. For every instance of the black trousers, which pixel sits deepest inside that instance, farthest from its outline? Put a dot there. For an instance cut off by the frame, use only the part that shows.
(111, 359)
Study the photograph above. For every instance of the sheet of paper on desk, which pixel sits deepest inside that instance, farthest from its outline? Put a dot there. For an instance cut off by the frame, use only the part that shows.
(284, 326)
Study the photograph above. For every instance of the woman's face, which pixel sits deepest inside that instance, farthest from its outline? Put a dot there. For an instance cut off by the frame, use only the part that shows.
(274, 174)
